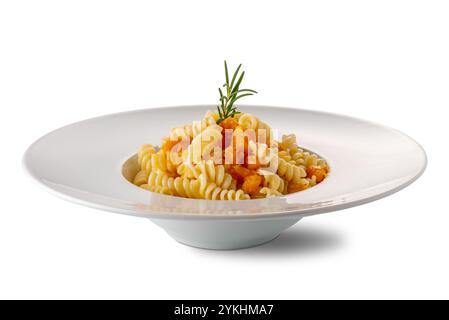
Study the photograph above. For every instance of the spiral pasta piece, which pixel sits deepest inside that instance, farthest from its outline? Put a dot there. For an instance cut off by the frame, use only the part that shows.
(182, 132)
(181, 187)
(290, 172)
(161, 162)
(310, 159)
(141, 178)
(248, 121)
(286, 156)
(210, 191)
(265, 155)
(261, 130)
(288, 143)
(144, 156)
(194, 129)
(214, 173)
(268, 193)
(297, 157)
(312, 181)
(203, 143)
(145, 186)
(307, 159)
(291, 152)
(274, 182)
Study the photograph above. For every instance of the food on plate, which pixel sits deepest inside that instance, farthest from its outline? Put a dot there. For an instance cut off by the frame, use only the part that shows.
(228, 155)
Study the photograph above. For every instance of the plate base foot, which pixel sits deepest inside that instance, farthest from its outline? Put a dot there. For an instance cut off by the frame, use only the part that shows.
(224, 234)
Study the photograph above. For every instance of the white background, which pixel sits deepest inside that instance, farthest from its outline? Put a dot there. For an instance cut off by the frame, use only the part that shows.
(64, 61)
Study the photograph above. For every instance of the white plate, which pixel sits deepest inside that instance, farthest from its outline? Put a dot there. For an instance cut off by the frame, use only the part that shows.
(89, 163)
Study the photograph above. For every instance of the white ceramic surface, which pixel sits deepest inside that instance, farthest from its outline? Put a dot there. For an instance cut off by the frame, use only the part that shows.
(89, 163)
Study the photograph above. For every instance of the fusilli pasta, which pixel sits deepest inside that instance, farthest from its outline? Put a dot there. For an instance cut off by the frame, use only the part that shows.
(182, 187)
(275, 182)
(210, 191)
(144, 156)
(268, 193)
(204, 161)
(213, 173)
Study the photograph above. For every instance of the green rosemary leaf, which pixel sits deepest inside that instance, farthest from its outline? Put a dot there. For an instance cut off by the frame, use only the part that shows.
(226, 72)
(221, 99)
(243, 95)
(234, 94)
(235, 76)
(231, 103)
(246, 90)
(239, 81)
(238, 97)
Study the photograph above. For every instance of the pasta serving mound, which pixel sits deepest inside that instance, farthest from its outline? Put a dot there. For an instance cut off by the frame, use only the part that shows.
(237, 159)
(228, 155)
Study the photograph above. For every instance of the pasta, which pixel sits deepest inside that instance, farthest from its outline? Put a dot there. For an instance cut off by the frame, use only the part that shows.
(144, 156)
(290, 172)
(248, 121)
(192, 130)
(202, 145)
(182, 187)
(213, 173)
(162, 162)
(268, 193)
(290, 152)
(141, 178)
(210, 191)
(235, 158)
(288, 143)
(275, 182)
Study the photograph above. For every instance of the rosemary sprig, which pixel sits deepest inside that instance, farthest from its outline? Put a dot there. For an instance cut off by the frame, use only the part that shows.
(226, 109)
